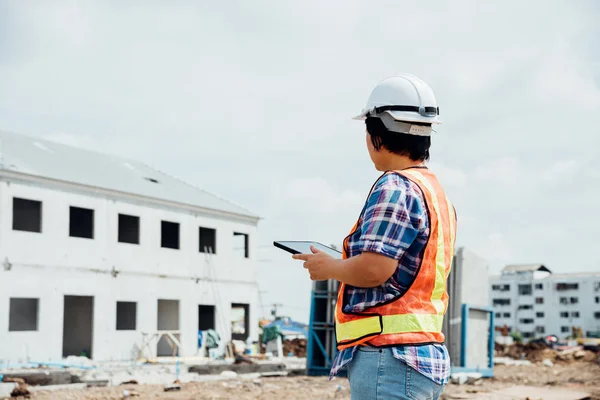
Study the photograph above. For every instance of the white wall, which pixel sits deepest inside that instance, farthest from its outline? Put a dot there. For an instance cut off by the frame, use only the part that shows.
(474, 268)
(51, 264)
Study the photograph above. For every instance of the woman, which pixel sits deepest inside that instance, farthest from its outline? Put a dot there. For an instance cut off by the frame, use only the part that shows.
(397, 257)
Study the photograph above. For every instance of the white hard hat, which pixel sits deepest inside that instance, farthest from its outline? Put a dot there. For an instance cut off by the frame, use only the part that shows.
(405, 98)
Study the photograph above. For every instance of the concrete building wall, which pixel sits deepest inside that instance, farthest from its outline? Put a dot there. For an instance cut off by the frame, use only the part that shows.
(552, 309)
(465, 287)
(51, 264)
(472, 292)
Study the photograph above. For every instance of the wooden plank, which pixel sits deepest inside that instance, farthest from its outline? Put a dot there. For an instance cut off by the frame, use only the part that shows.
(96, 382)
(42, 377)
(54, 388)
(238, 368)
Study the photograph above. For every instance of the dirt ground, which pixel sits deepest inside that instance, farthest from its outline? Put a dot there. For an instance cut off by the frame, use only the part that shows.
(584, 376)
(581, 376)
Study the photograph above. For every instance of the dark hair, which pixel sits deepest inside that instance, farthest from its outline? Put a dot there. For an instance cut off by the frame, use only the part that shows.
(414, 147)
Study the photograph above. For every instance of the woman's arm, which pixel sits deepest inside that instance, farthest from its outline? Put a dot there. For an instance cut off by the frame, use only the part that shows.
(365, 270)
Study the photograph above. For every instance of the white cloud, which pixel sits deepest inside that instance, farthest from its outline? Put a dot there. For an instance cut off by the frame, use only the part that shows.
(450, 177)
(564, 169)
(496, 247)
(311, 208)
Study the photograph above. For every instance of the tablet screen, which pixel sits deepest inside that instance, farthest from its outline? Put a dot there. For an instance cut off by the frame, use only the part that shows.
(303, 247)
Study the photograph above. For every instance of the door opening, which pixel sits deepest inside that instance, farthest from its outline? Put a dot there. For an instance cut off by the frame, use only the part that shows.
(78, 326)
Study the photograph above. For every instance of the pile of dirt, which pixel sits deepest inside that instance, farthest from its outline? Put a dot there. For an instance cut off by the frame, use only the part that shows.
(537, 352)
(295, 346)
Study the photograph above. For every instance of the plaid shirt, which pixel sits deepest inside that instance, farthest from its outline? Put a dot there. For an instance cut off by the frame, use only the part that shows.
(394, 222)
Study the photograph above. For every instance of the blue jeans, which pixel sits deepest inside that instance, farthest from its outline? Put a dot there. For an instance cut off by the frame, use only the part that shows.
(375, 374)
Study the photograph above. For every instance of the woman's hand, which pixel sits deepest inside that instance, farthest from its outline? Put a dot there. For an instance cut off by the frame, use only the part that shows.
(320, 265)
(366, 270)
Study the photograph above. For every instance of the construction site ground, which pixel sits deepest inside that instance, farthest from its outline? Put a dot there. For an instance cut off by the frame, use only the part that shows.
(580, 376)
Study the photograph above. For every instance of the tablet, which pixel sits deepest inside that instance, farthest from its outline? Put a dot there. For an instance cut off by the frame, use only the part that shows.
(303, 247)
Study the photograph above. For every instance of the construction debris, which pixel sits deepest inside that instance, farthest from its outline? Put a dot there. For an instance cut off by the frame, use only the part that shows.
(173, 387)
(20, 390)
(41, 377)
(570, 367)
(229, 374)
(510, 361)
(297, 347)
(460, 378)
(562, 379)
(215, 369)
(243, 360)
(14, 385)
(538, 352)
(92, 382)
(12, 379)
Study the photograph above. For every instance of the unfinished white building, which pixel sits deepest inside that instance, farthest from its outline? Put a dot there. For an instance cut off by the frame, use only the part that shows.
(532, 300)
(99, 254)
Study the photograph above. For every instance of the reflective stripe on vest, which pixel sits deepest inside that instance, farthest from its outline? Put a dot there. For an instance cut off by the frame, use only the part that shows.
(420, 324)
(403, 323)
(440, 261)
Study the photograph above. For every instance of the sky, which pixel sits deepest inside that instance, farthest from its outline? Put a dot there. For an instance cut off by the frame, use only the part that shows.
(253, 101)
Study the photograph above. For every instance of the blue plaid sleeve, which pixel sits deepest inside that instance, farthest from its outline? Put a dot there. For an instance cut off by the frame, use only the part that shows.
(393, 217)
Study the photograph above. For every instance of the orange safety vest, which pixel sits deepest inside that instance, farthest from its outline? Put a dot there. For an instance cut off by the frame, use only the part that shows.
(417, 316)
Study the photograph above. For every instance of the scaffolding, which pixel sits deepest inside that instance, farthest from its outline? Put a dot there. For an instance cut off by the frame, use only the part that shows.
(321, 346)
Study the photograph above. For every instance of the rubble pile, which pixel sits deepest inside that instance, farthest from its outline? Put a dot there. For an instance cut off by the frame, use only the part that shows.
(295, 346)
(538, 352)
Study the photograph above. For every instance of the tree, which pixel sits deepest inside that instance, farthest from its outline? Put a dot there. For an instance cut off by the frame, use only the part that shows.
(517, 337)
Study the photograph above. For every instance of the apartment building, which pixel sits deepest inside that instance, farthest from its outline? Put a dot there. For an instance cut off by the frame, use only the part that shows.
(534, 301)
(101, 254)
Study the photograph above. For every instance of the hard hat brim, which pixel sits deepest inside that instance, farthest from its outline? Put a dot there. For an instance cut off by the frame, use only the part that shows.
(361, 116)
(402, 116)
(413, 117)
